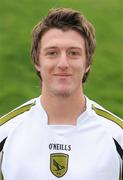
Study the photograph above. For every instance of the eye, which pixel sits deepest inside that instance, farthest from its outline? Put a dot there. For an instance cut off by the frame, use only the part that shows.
(74, 53)
(51, 53)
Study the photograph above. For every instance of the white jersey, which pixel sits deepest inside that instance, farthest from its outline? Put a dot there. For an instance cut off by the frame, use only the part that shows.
(34, 150)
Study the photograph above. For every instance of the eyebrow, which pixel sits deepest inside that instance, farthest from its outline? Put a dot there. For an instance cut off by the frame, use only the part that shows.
(50, 47)
(55, 47)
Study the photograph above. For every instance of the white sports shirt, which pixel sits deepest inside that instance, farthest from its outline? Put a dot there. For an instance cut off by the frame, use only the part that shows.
(33, 150)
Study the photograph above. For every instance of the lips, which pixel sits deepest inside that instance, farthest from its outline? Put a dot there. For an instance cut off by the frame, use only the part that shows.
(64, 75)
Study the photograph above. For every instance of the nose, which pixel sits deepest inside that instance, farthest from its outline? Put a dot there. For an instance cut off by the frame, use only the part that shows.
(63, 61)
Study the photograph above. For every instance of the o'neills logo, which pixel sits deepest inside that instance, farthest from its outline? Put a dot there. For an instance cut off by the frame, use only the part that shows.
(63, 147)
(59, 164)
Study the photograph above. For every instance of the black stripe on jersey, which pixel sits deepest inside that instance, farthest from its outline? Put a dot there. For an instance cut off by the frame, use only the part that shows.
(2, 144)
(108, 116)
(1, 157)
(119, 149)
(15, 113)
(1, 174)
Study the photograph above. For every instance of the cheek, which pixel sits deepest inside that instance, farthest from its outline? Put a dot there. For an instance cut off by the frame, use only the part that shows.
(79, 75)
(80, 69)
(46, 70)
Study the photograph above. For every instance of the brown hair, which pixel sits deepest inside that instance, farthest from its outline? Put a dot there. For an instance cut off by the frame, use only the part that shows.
(64, 19)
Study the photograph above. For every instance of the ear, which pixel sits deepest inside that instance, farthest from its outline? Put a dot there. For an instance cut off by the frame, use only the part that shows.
(87, 69)
(37, 66)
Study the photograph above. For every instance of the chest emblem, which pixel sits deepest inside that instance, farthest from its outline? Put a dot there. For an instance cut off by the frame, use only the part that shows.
(59, 164)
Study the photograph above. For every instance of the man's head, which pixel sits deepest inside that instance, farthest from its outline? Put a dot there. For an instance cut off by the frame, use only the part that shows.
(64, 19)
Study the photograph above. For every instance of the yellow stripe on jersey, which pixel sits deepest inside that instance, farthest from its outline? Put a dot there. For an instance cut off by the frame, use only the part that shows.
(1, 157)
(15, 113)
(1, 176)
(121, 175)
(108, 115)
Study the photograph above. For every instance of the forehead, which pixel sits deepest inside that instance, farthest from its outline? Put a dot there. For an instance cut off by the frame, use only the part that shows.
(59, 38)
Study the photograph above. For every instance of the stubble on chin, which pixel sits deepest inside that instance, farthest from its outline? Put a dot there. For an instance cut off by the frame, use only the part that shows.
(62, 94)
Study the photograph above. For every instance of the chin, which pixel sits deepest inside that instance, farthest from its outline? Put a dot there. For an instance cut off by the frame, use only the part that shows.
(62, 93)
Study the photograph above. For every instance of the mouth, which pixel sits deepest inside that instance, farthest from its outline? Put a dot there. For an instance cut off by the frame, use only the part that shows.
(62, 75)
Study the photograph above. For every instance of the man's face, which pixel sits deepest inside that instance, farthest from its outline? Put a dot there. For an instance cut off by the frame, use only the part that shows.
(62, 62)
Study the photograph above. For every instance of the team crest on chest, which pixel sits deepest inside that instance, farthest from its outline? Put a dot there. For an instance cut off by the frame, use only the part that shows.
(59, 164)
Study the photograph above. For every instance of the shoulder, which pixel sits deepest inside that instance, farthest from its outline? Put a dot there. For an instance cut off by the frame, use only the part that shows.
(106, 115)
(10, 120)
(17, 111)
(112, 123)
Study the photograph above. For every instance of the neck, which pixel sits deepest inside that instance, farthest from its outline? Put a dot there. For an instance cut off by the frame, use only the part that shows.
(63, 110)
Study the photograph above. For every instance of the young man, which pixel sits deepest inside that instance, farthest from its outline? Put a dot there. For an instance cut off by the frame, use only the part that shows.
(61, 134)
